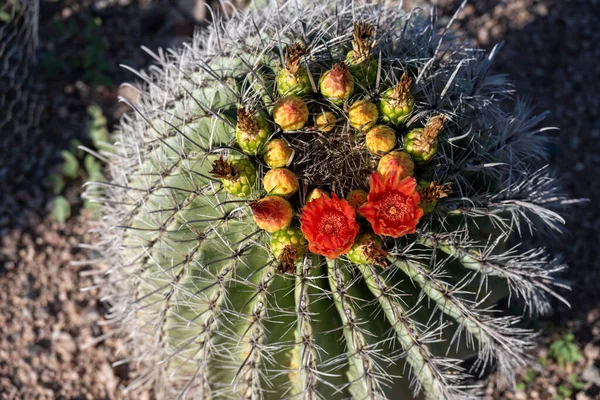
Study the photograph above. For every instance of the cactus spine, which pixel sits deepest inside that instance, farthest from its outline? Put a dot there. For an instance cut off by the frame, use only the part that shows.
(212, 283)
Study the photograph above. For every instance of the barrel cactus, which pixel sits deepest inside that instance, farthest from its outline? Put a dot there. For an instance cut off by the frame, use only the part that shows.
(376, 274)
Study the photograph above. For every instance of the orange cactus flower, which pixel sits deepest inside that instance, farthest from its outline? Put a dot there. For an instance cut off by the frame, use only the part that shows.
(393, 205)
(329, 225)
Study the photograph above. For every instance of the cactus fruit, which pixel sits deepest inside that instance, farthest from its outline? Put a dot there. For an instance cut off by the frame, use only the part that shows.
(396, 103)
(293, 79)
(337, 84)
(362, 65)
(325, 121)
(210, 310)
(363, 115)
(356, 198)
(278, 153)
(251, 132)
(397, 163)
(272, 213)
(367, 250)
(381, 139)
(290, 113)
(238, 176)
(422, 143)
(288, 247)
(280, 182)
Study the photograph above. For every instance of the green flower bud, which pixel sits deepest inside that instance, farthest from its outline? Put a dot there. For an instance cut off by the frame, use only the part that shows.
(422, 143)
(367, 250)
(289, 247)
(397, 103)
(251, 132)
(238, 176)
(297, 84)
(364, 73)
(430, 193)
(362, 65)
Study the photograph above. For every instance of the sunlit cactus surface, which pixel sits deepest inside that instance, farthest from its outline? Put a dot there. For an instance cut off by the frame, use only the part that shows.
(322, 201)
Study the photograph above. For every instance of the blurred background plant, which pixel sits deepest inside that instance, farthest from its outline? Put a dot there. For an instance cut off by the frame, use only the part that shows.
(86, 51)
(81, 163)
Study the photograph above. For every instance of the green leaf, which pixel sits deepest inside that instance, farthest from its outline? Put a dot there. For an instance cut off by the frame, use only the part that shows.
(56, 182)
(97, 130)
(61, 209)
(4, 16)
(70, 167)
(93, 206)
(93, 168)
(576, 383)
(74, 148)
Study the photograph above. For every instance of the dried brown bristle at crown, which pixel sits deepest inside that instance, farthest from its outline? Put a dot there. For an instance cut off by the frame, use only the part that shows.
(223, 170)
(433, 127)
(363, 41)
(246, 122)
(435, 191)
(287, 259)
(401, 92)
(293, 55)
(375, 254)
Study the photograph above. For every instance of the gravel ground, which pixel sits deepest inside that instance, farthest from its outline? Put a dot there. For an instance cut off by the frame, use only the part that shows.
(48, 325)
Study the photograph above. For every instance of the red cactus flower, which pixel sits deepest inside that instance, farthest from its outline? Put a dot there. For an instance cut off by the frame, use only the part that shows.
(392, 207)
(329, 225)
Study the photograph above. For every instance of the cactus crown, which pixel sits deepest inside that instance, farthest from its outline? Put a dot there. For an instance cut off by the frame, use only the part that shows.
(190, 240)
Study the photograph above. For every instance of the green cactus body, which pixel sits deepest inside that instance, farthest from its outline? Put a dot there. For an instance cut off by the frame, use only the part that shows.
(224, 289)
(243, 185)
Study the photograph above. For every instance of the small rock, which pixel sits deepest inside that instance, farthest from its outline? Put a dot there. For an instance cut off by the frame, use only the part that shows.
(520, 395)
(591, 352)
(591, 374)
